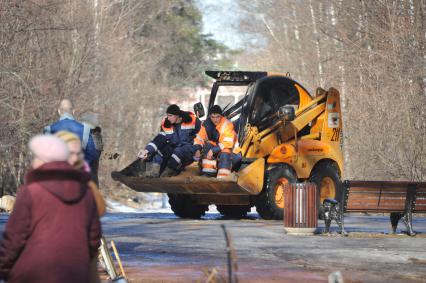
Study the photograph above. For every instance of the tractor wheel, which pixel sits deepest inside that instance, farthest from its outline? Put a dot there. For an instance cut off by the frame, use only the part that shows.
(233, 211)
(270, 202)
(185, 207)
(326, 176)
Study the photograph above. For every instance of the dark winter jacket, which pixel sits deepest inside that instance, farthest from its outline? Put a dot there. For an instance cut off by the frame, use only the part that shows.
(183, 133)
(176, 135)
(54, 229)
(68, 123)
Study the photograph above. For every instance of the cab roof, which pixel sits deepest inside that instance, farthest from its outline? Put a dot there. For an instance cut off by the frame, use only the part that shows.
(236, 76)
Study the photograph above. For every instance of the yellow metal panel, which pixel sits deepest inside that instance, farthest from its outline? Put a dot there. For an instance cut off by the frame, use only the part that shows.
(284, 153)
(260, 144)
(250, 132)
(286, 132)
(267, 144)
(311, 104)
(251, 177)
(312, 151)
(314, 136)
(332, 126)
(304, 97)
(317, 124)
(308, 154)
(301, 121)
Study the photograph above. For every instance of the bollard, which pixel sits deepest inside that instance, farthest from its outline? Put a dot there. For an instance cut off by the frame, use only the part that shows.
(300, 209)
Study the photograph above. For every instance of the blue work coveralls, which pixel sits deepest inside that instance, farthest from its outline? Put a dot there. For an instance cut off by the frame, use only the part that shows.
(173, 146)
(67, 123)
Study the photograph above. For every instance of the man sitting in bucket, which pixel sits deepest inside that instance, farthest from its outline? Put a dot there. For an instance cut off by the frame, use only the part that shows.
(217, 145)
(173, 148)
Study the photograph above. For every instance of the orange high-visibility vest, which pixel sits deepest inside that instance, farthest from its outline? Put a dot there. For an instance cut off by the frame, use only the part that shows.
(228, 140)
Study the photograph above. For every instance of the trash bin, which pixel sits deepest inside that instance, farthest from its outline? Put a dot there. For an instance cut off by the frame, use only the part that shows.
(300, 208)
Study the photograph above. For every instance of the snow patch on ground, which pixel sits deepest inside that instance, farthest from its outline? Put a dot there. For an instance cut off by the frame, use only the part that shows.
(156, 203)
(115, 206)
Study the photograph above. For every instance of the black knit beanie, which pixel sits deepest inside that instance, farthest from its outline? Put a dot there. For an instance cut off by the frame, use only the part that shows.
(216, 110)
(173, 109)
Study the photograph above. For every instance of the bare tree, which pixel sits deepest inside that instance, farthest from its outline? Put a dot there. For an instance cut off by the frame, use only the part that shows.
(373, 51)
(122, 59)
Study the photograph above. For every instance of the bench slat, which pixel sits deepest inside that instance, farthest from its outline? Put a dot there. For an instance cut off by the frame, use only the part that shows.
(385, 197)
(377, 196)
(397, 206)
(420, 204)
(420, 208)
(386, 184)
(377, 189)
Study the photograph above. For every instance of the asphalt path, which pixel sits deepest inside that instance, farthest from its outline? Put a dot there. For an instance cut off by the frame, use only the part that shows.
(158, 247)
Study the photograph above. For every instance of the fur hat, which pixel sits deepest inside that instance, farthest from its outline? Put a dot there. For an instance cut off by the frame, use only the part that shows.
(173, 109)
(49, 148)
(216, 110)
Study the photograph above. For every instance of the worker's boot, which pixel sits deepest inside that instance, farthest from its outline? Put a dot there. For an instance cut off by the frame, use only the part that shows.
(231, 177)
(169, 172)
(152, 170)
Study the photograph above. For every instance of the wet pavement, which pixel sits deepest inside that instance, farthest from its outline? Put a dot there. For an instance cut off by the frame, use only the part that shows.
(158, 247)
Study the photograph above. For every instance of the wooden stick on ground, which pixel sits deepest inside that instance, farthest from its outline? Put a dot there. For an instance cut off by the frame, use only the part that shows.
(118, 259)
(232, 257)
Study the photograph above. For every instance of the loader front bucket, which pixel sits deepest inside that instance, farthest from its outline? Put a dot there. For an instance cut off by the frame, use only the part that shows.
(251, 177)
(187, 182)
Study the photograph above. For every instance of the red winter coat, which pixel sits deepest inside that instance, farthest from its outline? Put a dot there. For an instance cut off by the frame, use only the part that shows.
(54, 229)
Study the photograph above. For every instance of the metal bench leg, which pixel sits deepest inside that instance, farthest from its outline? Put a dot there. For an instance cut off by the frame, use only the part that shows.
(339, 221)
(327, 223)
(408, 221)
(409, 206)
(342, 208)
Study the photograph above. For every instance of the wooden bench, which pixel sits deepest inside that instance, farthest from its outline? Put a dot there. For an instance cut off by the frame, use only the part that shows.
(400, 199)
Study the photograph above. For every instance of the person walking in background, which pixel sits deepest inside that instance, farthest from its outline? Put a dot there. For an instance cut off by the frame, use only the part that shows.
(90, 119)
(54, 230)
(172, 148)
(68, 123)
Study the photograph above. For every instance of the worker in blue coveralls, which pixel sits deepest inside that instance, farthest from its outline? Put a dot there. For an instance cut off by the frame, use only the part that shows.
(172, 149)
(68, 123)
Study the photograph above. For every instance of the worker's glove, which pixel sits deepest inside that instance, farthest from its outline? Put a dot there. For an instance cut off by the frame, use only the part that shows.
(197, 155)
(209, 154)
(143, 154)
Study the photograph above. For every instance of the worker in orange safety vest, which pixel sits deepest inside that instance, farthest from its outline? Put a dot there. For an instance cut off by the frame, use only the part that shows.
(217, 144)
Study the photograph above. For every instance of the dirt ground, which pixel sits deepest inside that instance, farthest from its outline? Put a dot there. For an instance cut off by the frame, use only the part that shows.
(158, 247)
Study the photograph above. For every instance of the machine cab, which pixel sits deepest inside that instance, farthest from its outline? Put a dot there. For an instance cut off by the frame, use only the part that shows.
(260, 96)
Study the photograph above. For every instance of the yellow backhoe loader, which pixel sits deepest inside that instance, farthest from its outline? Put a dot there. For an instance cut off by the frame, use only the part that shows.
(286, 136)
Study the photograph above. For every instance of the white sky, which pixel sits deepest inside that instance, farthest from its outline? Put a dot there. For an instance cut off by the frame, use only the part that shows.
(220, 18)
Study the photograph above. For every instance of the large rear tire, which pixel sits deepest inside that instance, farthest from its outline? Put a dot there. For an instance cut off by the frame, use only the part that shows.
(326, 177)
(233, 211)
(185, 207)
(270, 202)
